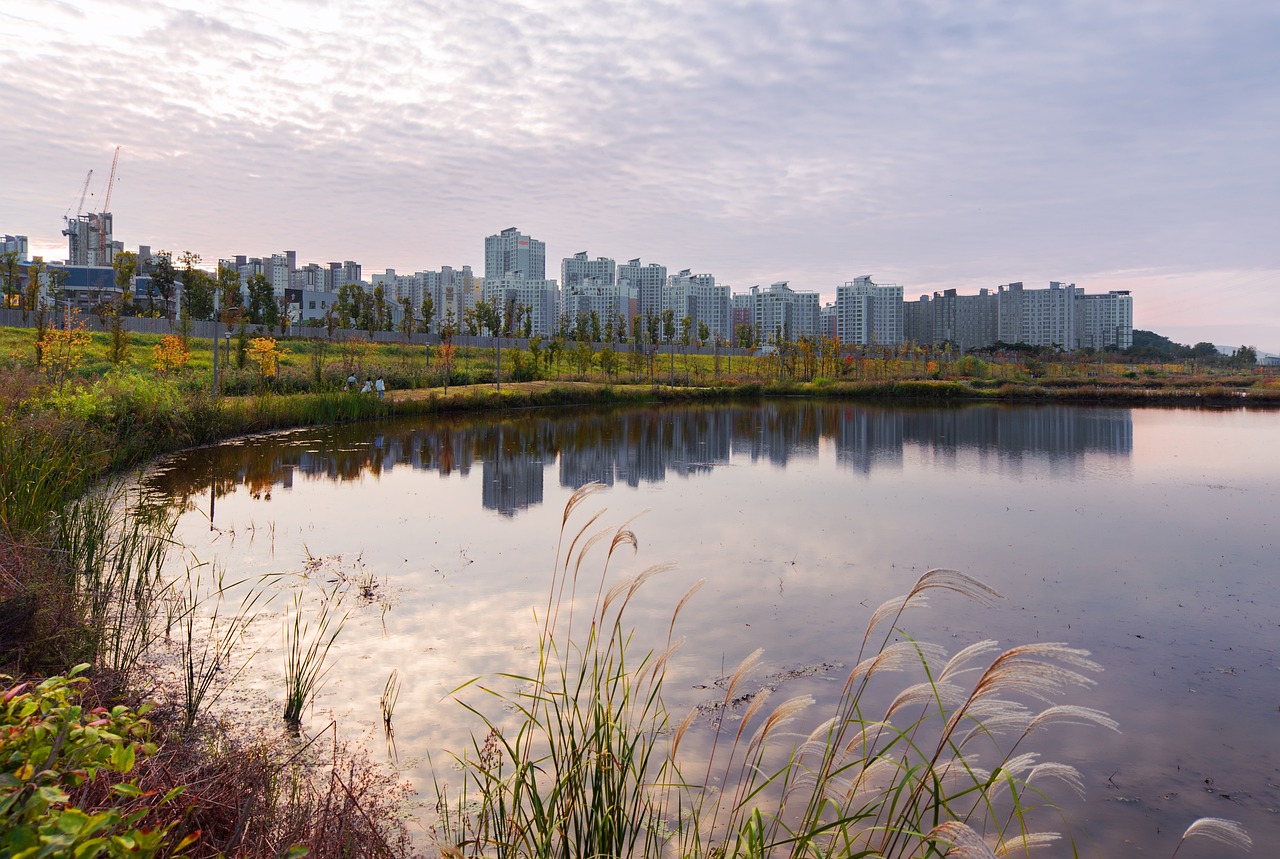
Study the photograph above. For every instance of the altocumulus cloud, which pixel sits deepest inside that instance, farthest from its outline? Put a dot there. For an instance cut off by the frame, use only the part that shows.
(931, 143)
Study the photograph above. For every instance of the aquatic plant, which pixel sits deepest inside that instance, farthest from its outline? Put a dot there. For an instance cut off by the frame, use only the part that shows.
(207, 637)
(306, 647)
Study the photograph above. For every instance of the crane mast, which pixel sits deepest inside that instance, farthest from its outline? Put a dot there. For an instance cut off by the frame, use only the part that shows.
(105, 212)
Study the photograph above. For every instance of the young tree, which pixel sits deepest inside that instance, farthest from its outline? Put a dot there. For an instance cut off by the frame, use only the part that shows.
(164, 280)
(262, 301)
(407, 320)
(428, 313)
(125, 264)
(10, 274)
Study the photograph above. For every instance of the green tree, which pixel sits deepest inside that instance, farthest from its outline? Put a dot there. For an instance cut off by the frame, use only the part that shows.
(125, 264)
(428, 313)
(262, 301)
(381, 310)
(407, 319)
(10, 273)
(198, 289)
(1246, 357)
(164, 282)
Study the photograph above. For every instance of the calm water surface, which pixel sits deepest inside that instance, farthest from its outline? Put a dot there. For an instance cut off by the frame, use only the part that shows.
(1146, 536)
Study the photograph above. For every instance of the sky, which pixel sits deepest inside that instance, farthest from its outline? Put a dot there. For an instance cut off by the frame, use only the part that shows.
(1115, 145)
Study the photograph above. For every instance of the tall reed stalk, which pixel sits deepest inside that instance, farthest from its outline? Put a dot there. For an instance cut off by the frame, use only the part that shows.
(584, 764)
(208, 638)
(306, 648)
(115, 548)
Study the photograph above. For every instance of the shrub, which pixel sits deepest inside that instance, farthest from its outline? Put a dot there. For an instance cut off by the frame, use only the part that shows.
(50, 746)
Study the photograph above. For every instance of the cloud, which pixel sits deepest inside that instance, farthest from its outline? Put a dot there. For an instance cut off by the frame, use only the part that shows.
(930, 140)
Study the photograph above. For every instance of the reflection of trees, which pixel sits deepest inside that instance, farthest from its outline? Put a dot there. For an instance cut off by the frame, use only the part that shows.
(638, 445)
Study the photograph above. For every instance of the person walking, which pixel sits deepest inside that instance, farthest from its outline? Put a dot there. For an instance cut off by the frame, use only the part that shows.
(368, 385)
(380, 387)
(351, 382)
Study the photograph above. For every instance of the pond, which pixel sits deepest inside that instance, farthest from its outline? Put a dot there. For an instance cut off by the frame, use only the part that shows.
(1146, 536)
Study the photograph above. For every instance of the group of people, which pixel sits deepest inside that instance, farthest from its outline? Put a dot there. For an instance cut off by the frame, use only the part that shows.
(370, 386)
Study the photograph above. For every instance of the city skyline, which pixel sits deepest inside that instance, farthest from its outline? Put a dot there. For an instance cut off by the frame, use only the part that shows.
(933, 146)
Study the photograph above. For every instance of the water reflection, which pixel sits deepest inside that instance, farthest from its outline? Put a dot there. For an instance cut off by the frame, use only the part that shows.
(635, 446)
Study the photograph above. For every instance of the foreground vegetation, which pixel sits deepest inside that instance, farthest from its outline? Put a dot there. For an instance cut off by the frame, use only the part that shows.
(580, 757)
(84, 767)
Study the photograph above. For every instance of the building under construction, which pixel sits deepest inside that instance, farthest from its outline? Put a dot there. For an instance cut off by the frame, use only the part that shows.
(89, 240)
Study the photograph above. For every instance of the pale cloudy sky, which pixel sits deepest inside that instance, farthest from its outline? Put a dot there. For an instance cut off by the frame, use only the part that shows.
(1120, 144)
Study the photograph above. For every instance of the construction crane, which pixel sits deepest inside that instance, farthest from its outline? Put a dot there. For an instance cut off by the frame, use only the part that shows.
(84, 192)
(105, 212)
(70, 231)
(111, 183)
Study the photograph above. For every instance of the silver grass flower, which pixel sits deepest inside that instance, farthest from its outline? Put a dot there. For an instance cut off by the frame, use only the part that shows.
(1228, 832)
(1074, 715)
(1022, 844)
(957, 664)
(965, 843)
(1064, 773)
(946, 694)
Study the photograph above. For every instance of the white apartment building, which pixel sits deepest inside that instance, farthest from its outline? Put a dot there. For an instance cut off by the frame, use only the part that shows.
(511, 252)
(578, 269)
(699, 297)
(1104, 321)
(869, 313)
(541, 296)
(781, 311)
(645, 284)
(281, 270)
(1038, 317)
(606, 300)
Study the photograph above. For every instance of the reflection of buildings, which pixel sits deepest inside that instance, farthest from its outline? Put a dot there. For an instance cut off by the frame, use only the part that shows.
(638, 446)
(512, 473)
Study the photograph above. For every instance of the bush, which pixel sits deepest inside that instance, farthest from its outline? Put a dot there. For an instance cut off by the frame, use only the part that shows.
(51, 746)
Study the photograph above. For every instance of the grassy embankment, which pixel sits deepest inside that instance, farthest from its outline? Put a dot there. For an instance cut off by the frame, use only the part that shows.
(80, 572)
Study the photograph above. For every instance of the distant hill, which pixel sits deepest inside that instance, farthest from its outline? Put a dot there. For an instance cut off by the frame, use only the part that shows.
(1148, 344)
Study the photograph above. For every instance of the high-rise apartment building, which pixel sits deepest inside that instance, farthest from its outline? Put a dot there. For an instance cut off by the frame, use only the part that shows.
(1038, 317)
(512, 252)
(869, 313)
(645, 284)
(704, 302)
(1104, 321)
(781, 312)
(964, 321)
(579, 269)
(540, 298)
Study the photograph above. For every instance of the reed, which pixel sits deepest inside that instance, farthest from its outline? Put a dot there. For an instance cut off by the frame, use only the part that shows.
(306, 649)
(586, 762)
(208, 637)
(390, 695)
(113, 549)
